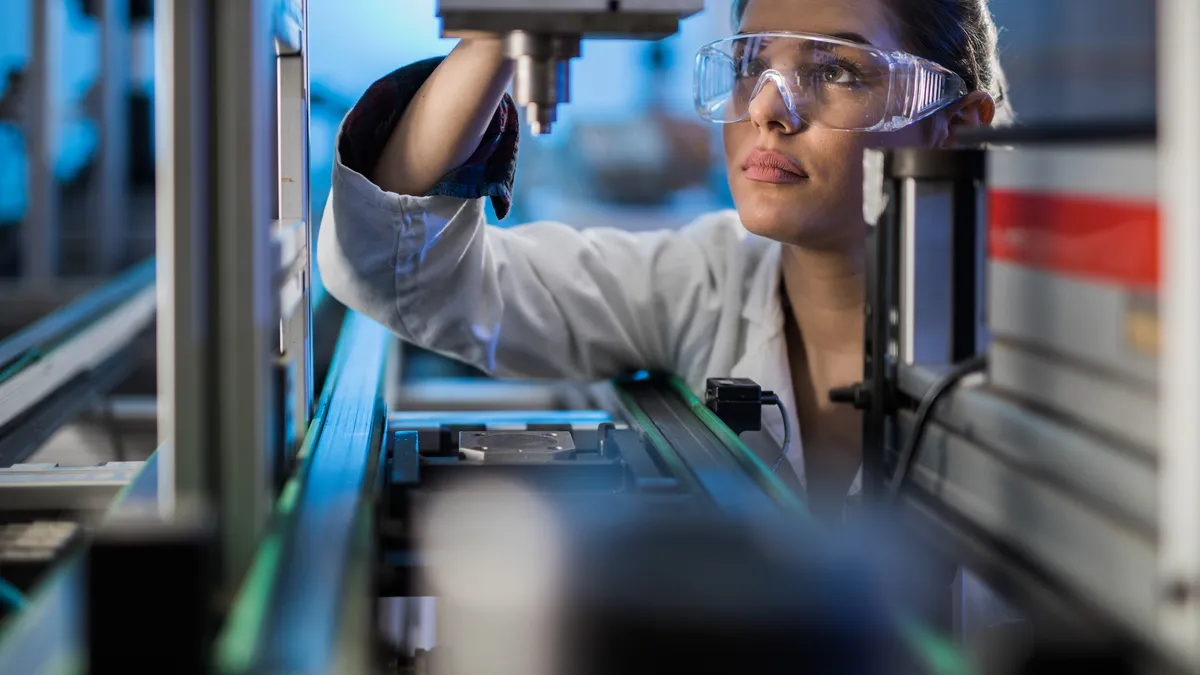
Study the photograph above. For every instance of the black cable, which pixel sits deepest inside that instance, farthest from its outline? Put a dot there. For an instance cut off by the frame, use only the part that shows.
(770, 398)
(928, 401)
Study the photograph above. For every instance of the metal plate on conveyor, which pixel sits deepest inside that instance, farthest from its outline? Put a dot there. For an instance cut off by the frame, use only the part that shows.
(516, 446)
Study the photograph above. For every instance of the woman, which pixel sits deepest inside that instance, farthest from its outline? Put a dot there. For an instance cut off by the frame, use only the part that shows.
(773, 291)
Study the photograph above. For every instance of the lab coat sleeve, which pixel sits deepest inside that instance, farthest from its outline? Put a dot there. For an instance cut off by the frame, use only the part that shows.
(542, 300)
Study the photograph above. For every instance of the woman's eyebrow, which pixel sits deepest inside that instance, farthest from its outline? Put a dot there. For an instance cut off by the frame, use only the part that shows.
(847, 36)
(852, 37)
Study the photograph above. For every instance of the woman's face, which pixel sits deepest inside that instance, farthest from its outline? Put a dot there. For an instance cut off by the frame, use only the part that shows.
(824, 208)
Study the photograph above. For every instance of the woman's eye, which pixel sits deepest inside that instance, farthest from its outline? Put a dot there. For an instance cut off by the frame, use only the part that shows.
(835, 74)
(753, 68)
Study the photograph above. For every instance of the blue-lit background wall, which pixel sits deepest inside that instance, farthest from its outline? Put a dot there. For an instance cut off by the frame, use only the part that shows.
(77, 45)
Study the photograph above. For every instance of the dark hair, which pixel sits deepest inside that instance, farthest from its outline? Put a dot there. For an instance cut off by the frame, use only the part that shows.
(957, 34)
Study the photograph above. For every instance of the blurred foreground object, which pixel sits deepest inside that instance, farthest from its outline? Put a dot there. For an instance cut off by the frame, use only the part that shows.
(542, 585)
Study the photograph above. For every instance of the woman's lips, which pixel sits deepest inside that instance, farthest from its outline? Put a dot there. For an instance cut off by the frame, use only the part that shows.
(771, 166)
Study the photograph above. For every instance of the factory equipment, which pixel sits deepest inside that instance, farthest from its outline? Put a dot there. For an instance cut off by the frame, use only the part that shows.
(285, 517)
(1036, 414)
(50, 374)
(542, 38)
(1008, 443)
(59, 366)
(277, 489)
(364, 516)
(235, 259)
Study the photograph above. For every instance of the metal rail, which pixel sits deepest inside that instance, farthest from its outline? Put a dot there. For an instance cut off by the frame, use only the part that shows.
(39, 487)
(750, 462)
(56, 368)
(77, 314)
(48, 637)
(696, 455)
(288, 613)
(233, 239)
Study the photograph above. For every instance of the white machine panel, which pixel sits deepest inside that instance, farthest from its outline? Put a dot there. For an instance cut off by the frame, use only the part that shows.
(1073, 284)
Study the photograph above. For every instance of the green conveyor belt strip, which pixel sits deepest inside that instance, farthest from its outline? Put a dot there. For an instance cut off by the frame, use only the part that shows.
(937, 654)
(672, 458)
(27, 359)
(240, 637)
(744, 455)
(129, 282)
(11, 596)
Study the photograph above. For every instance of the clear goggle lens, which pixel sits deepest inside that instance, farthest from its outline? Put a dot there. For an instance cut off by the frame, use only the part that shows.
(822, 81)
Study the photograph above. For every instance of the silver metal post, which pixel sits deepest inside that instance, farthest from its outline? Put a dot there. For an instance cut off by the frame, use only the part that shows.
(293, 228)
(244, 272)
(40, 231)
(908, 271)
(219, 328)
(183, 198)
(1179, 366)
(108, 223)
(940, 256)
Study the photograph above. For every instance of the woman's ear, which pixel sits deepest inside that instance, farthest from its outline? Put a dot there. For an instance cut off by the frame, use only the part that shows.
(976, 109)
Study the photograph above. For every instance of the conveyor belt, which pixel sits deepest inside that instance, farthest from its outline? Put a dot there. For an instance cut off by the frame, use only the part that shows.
(311, 567)
(76, 315)
(55, 369)
(684, 440)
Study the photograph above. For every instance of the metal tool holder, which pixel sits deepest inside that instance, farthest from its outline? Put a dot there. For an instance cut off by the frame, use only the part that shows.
(923, 214)
(542, 38)
(234, 255)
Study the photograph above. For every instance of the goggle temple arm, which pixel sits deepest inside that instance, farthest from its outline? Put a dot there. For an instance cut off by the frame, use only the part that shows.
(921, 88)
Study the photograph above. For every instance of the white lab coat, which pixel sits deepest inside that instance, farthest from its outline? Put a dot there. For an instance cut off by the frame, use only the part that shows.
(545, 300)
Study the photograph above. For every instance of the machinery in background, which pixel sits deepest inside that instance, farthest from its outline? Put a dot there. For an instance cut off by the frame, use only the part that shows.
(1035, 416)
(653, 170)
(284, 517)
(53, 374)
(63, 365)
(646, 160)
(84, 197)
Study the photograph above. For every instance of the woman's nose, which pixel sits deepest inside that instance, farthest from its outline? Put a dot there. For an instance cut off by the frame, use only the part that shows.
(769, 107)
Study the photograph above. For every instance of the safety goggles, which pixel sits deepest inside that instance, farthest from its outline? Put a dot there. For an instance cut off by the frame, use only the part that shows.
(823, 81)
